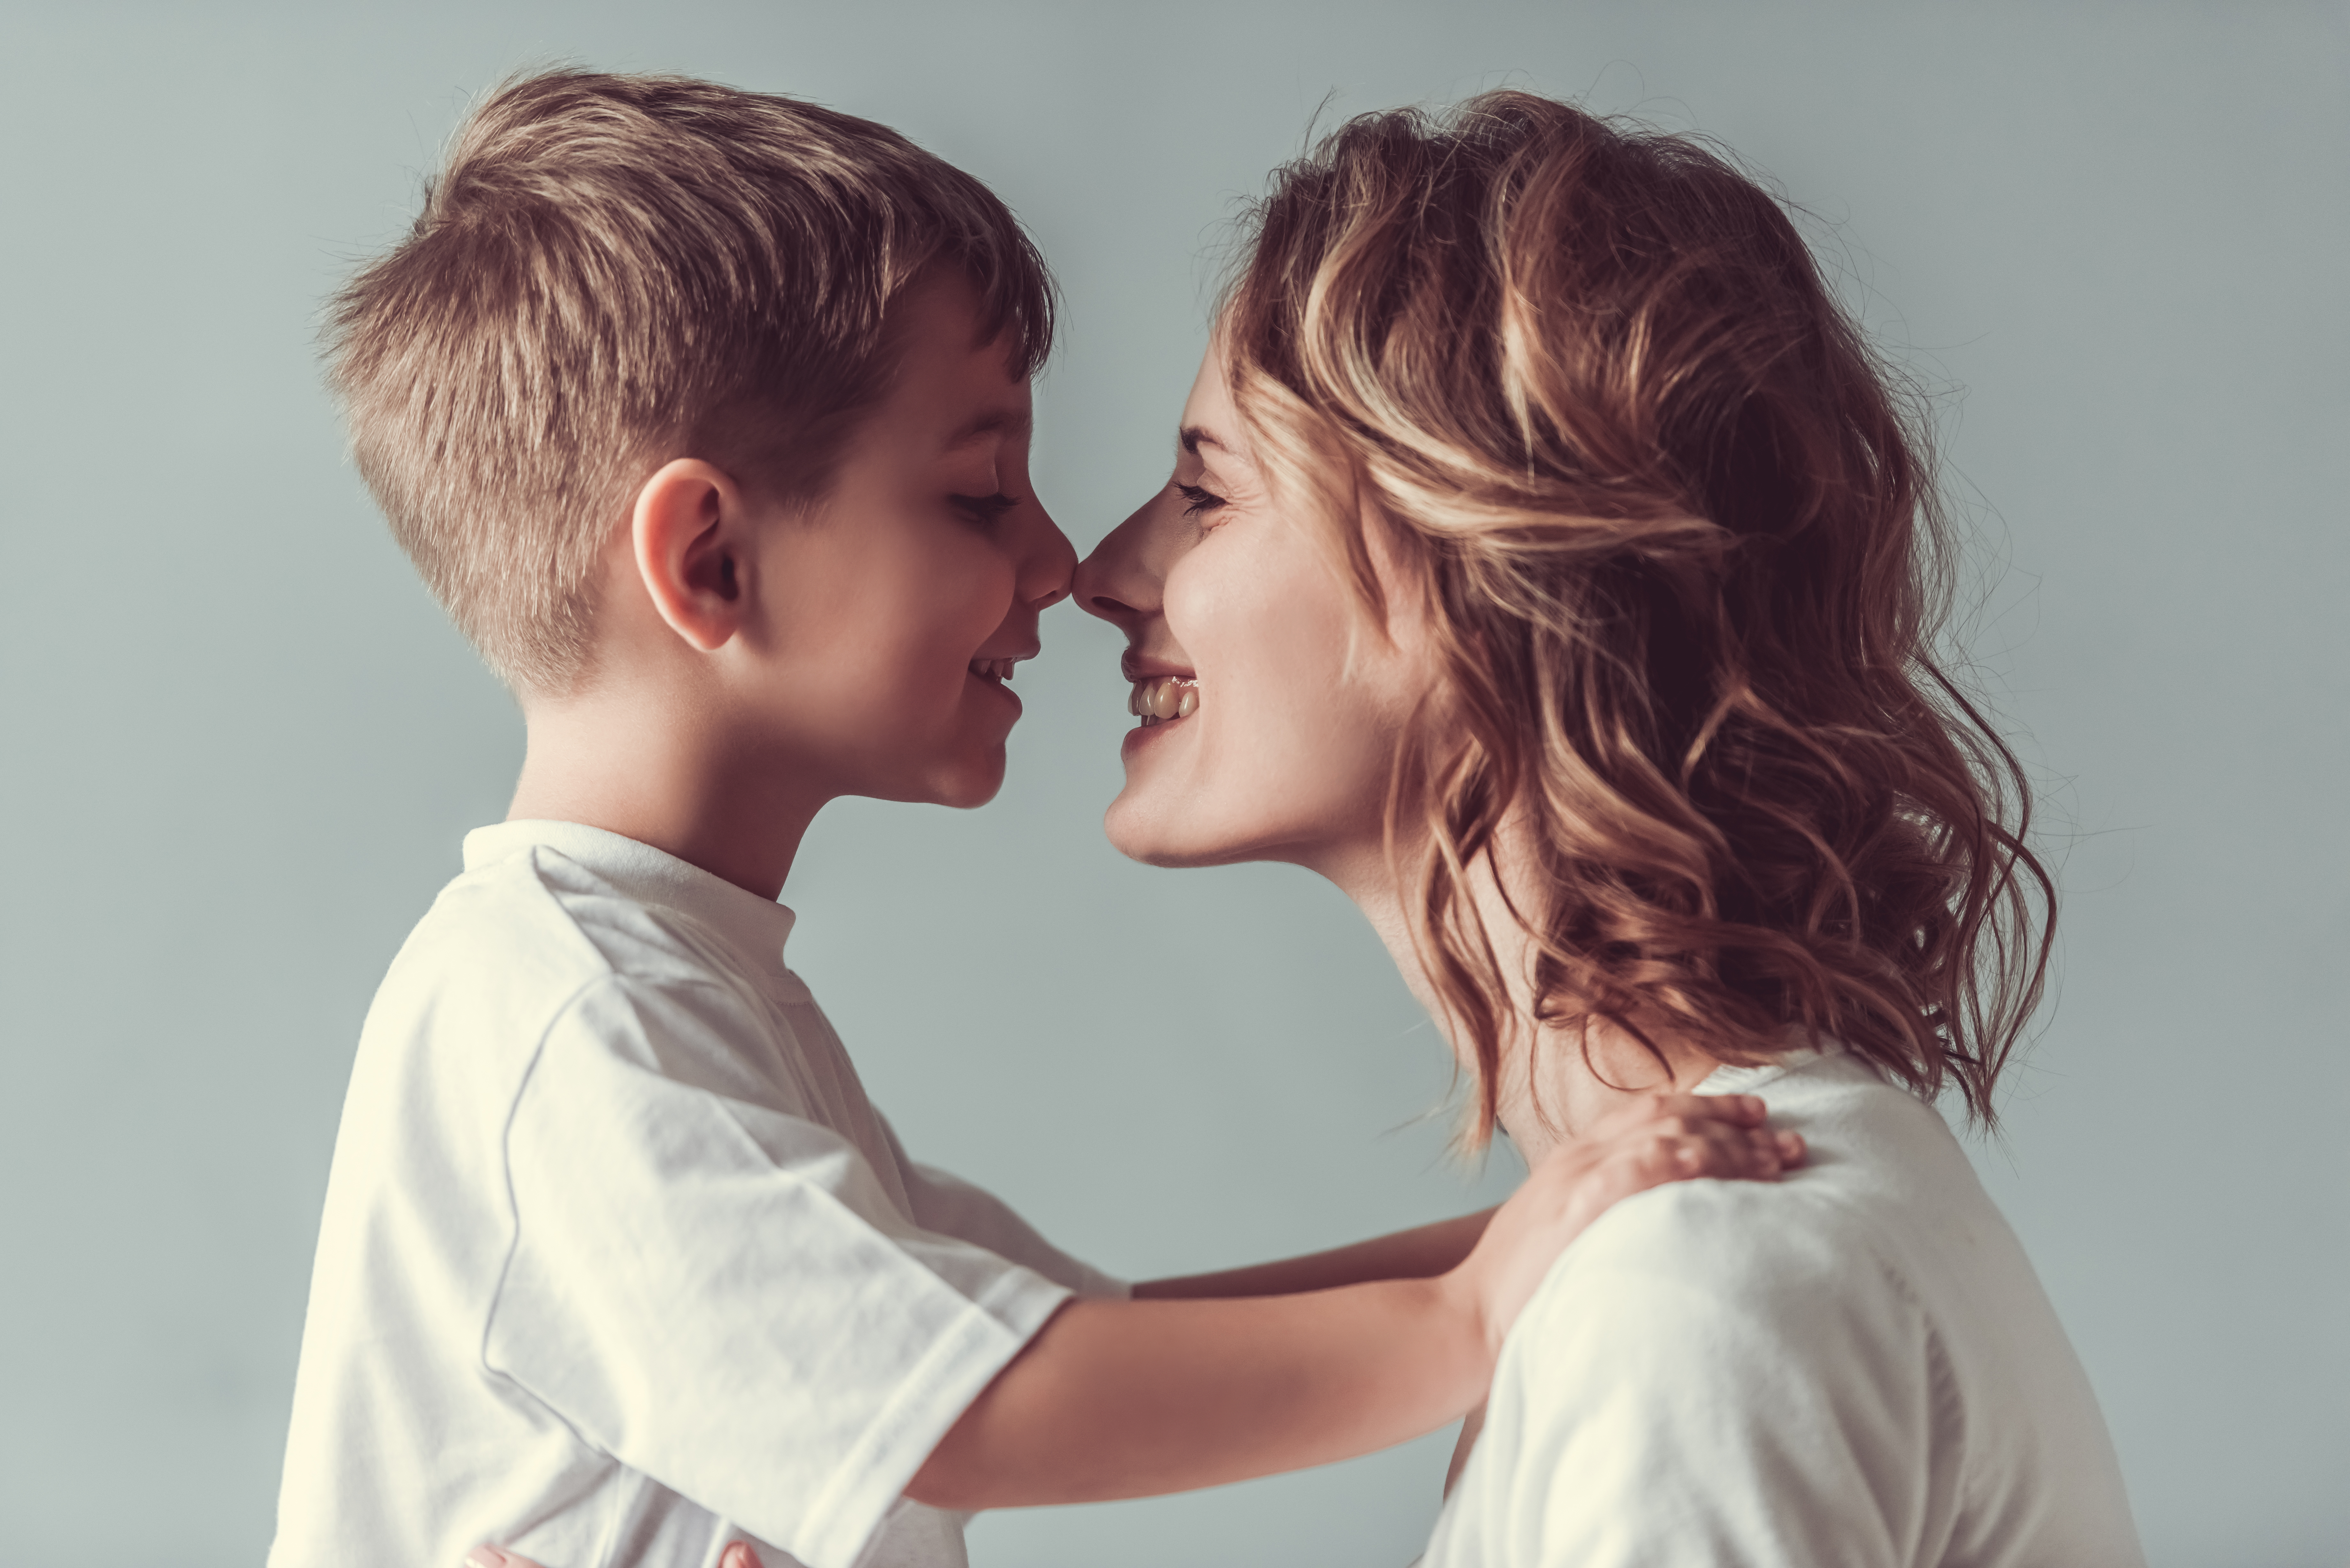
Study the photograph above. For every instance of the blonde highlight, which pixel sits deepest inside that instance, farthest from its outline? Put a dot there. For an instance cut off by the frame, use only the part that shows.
(1675, 529)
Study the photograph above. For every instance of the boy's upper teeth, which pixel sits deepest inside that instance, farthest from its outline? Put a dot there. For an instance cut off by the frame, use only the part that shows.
(1166, 697)
(998, 668)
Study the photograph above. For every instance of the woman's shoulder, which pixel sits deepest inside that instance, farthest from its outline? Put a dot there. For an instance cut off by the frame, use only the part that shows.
(1884, 1215)
(1849, 1350)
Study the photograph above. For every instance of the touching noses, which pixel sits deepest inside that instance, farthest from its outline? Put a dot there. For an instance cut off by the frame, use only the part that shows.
(1047, 563)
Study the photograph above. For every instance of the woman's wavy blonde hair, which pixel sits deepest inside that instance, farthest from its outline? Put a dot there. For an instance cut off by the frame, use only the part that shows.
(1677, 531)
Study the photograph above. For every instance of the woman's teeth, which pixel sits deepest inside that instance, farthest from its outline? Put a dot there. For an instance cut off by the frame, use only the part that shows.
(1169, 697)
(993, 668)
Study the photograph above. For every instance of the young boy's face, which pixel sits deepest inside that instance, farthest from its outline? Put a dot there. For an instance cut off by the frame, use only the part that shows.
(893, 613)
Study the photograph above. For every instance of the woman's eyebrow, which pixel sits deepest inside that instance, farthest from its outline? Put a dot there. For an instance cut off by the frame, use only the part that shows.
(1194, 437)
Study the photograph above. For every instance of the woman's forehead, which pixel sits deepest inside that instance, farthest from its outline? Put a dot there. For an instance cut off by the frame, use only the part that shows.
(1211, 428)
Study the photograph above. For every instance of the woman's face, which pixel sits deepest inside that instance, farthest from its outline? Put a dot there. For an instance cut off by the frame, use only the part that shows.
(1269, 704)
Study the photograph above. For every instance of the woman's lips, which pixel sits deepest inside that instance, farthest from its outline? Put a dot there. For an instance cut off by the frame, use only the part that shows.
(1167, 697)
(1145, 734)
(1162, 702)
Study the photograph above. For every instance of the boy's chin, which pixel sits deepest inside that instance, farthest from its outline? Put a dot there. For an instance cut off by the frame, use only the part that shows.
(973, 784)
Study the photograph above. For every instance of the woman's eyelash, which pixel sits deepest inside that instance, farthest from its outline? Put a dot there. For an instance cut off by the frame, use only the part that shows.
(1197, 500)
(984, 509)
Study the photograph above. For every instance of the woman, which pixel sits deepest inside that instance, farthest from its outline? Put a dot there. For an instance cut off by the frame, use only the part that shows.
(1549, 565)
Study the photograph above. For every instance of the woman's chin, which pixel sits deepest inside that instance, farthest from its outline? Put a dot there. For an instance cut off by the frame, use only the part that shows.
(1143, 826)
(1141, 829)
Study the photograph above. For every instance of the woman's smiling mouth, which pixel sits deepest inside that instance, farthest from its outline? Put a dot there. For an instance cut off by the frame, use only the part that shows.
(1163, 697)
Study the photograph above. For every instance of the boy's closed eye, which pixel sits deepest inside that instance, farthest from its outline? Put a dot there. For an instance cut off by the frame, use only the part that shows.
(984, 510)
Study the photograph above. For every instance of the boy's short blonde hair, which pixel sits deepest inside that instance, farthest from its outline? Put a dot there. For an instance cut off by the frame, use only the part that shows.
(613, 271)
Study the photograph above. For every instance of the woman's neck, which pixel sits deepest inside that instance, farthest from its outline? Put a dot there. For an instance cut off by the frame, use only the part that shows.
(1555, 1081)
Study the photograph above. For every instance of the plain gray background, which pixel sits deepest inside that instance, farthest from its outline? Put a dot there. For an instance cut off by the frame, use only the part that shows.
(241, 744)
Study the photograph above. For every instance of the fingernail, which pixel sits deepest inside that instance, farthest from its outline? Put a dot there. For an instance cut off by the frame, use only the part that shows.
(486, 1557)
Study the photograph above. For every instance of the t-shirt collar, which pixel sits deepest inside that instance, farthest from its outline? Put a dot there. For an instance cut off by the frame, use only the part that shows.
(758, 926)
(1732, 1080)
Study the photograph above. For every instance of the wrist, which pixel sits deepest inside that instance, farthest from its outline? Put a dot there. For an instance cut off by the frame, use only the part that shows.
(1464, 1305)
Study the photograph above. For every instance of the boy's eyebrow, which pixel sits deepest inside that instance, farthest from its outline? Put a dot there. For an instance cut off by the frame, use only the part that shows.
(1009, 421)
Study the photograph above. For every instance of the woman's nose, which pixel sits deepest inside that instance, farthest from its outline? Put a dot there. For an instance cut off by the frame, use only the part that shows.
(1118, 581)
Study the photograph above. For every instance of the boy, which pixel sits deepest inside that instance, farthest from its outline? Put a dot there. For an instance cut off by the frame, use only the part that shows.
(706, 415)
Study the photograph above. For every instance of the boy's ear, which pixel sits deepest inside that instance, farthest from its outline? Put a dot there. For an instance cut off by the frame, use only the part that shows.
(690, 535)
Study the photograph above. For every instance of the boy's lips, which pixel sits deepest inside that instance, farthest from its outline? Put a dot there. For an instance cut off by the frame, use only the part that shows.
(998, 665)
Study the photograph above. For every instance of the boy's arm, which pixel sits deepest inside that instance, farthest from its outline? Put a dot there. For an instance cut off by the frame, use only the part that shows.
(1118, 1399)
(1420, 1253)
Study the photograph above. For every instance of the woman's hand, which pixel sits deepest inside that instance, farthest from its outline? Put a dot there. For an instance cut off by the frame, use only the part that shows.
(738, 1555)
(1656, 1139)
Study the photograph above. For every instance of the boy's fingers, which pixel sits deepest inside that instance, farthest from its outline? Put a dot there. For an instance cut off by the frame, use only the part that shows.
(739, 1555)
(1717, 1150)
(1740, 1110)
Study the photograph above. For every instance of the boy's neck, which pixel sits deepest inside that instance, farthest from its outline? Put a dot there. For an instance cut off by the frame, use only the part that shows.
(645, 766)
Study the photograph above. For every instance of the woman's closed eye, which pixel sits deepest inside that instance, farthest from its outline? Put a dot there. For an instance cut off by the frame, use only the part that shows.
(1196, 500)
(984, 510)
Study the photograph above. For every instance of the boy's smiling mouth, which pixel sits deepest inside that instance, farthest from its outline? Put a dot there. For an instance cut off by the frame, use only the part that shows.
(993, 669)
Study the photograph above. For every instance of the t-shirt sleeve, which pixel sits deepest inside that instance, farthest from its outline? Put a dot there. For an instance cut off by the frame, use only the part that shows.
(721, 1296)
(950, 1205)
(1699, 1382)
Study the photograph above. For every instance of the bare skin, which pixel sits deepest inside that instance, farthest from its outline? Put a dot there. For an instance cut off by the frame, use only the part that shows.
(1218, 1378)
(1300, 700)
(1296, 700)
(729, 676)
(762, 660)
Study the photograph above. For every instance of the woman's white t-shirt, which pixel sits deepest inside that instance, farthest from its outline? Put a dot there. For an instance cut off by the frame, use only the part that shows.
(1854, 1367)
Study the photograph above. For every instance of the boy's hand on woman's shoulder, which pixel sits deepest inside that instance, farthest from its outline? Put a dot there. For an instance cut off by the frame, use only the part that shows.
(738, 1555)
(1659, 1139)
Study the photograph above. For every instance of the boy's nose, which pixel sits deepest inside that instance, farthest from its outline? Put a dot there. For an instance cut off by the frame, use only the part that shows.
(1048, 564)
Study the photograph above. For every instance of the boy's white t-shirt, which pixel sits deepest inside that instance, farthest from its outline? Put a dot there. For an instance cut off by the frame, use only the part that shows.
(618, 1265)
(1855, 1366)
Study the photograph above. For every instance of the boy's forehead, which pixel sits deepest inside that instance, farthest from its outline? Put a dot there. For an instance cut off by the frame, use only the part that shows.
(967, 390)
(1008, 417)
